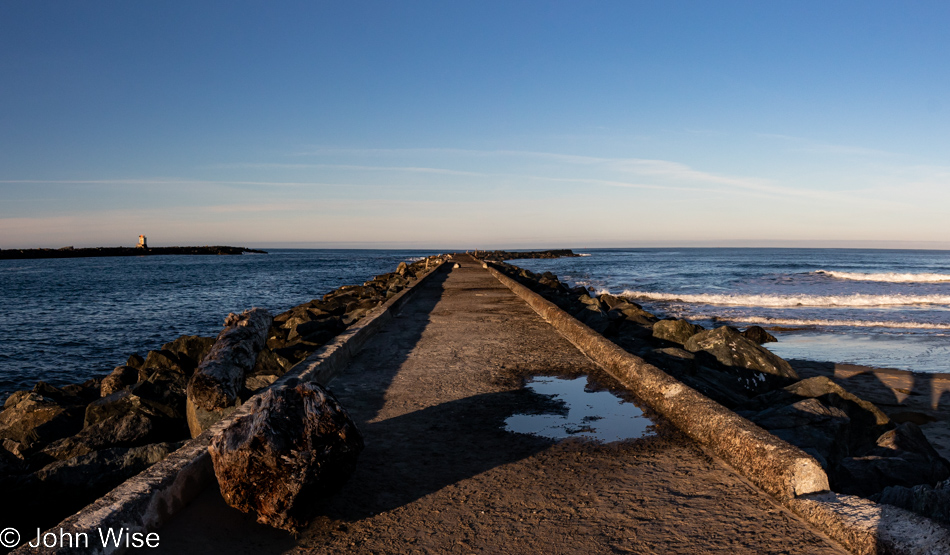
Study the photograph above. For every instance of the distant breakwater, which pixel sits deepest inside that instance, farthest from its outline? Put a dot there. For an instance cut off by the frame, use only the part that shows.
(515, 255)
(70, 252)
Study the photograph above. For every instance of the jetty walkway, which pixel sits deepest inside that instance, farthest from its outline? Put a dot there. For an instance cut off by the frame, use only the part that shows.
(440, 474)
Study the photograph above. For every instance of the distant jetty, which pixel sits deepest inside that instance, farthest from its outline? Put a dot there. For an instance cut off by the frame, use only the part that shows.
(70, 252)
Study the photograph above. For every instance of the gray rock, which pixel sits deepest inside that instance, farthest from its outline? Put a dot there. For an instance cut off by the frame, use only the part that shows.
(296, 445)
(677, 331)
(809, 424)
(731, 349)
(190, 351)
(758, 335)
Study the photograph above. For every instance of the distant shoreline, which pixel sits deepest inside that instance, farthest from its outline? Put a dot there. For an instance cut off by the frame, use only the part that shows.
(69, 252)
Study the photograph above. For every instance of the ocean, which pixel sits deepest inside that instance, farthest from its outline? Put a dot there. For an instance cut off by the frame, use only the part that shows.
(881, 308)
(66, 320)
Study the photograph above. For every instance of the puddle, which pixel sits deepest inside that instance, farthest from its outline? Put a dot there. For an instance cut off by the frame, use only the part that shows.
(597, 415)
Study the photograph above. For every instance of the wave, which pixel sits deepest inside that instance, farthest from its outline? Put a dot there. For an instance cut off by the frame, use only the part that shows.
(856, 300)
(849, 323)
(889, 277)
(583, 254)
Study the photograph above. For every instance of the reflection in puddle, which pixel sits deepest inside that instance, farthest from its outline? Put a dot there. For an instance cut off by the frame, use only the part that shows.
(598, 415)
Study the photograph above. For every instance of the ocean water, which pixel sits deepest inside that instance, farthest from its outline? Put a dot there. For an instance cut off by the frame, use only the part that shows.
(882, 308)
(65, 320)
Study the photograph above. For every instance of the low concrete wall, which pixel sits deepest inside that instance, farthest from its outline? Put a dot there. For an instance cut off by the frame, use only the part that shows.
(145, 502)
(779, 468)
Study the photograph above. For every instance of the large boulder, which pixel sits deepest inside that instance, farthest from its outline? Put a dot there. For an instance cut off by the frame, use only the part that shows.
(120, 378)
(731, 349)
(929, 501)
(758, 335)
(901, 457)
(190, 349)
(633, 312)
(296, 444)
(34, 420)
(592, 316)
(867, 421)
(811, 425)
(677, 331)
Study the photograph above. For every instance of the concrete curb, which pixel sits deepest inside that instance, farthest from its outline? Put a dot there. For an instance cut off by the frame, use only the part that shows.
(145, 502)
(781, 469)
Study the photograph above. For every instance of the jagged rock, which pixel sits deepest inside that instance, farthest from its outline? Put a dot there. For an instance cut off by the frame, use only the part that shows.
(635, 313)
(611, 301)
(902, 457)
(15, 398)
(72, 484)
(931, 502)
(318, 330)
(165, 386)
(677, 331)
(731, 349)
(593, 317)
(758, 335)
(809, 424)
(125, 402)
(402, 268)
(120, 378)
(35, 420)
(298, 443)
(190, 350)
(867, 421)
(161, 360)
(135, 361)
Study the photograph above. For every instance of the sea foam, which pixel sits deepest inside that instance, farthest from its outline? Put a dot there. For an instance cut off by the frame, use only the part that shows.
(857, 300)
(889, 277)
(837, 323)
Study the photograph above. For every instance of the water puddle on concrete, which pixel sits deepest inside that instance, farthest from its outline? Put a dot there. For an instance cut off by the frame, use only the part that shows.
(597, 415)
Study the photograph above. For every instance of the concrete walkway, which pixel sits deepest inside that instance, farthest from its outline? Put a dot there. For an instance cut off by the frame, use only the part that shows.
(440, 474)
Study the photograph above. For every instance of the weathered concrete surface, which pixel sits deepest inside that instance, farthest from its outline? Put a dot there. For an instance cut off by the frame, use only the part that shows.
(774, 465)
(431, 391)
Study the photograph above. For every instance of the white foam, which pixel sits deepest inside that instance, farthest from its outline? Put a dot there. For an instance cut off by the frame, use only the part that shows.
(582, 254)
(889, 277)
(839, 323)
(785, 301)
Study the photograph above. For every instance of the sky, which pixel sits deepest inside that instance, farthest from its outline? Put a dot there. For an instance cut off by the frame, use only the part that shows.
(475, 124)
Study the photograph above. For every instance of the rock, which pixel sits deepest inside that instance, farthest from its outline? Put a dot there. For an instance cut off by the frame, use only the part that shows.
(634, 313)
(731, 349)
(931, 502)
(809, 424)
(677, 331)
(135, 361)
(902, 457)
(259, 381)
(317, 331)
(161, 360)
(120, 378)
(15, 398)
(67, 486)
(164, 386)
(190, 351)
(296, 445)
(611, 301)
(213, 391)
(403, 268)
(867, 421)
(125, 402)
(593, 317)
(36, 420)
(758, 335)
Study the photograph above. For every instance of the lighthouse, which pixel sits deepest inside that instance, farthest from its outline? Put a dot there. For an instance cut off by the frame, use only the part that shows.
(142, 244)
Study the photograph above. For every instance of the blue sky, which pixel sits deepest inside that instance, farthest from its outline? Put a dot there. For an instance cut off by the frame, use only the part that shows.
(475, 124)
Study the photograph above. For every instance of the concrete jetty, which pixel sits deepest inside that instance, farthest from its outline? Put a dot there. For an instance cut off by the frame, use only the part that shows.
(431, 391)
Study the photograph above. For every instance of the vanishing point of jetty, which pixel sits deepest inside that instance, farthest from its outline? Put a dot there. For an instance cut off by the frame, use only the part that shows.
(410, 452)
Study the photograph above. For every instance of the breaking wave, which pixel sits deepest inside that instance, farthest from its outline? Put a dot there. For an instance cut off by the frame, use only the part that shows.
(889, 277)
(857, 300)
(839, 323)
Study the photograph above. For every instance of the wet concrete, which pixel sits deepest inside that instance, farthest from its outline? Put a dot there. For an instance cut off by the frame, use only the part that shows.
(440, 473)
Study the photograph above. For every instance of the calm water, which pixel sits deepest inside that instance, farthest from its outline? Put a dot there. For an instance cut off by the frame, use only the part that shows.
(65, 320)
(885, 308)
(597, 415)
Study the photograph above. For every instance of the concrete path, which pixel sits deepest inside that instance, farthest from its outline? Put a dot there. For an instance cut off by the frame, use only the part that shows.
(440, 474)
